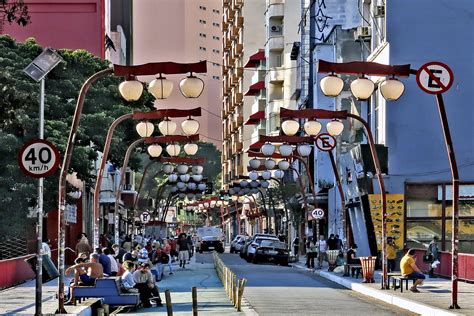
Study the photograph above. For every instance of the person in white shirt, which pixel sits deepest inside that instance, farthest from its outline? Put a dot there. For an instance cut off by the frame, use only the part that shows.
(113, 262)
(321, 246)
(46, 249)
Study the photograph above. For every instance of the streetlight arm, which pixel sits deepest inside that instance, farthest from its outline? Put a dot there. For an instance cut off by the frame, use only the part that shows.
(62, 181)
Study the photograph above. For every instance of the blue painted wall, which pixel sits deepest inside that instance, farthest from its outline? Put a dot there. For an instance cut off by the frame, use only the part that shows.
(418, 32)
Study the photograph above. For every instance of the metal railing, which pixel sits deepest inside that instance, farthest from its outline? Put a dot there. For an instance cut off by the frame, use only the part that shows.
(234, 287)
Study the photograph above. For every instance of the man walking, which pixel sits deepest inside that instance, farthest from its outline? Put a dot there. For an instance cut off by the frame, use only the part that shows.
(391, 254)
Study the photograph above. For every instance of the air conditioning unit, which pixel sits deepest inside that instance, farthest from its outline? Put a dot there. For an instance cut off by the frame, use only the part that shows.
(275, 29)
(362, 32)
(379, 11)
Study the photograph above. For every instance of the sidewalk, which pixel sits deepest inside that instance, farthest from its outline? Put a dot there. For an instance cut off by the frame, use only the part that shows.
(20, 300)
(212, 299)
(434, 299)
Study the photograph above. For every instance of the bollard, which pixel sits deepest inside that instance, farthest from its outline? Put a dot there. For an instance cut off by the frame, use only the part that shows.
(242, 283)
(100, 312)
(195, 301)
(234, 289)
(169, 305)
(106, 309)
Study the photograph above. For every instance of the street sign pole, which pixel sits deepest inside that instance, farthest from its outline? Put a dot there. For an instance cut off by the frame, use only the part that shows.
(39, 226)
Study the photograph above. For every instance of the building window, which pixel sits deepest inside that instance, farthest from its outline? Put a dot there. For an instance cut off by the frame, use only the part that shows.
(202, 8)
(202, 48)
(215, 11)
(216, 24)
(216, 51)
(216, 37)
(202, 35)
(202, 21)
(216, 77)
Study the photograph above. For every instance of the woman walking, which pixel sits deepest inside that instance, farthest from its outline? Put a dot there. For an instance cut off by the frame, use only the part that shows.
(183, 249)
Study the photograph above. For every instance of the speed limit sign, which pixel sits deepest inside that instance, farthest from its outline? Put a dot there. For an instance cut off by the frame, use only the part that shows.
(317, 213)
(38, 158)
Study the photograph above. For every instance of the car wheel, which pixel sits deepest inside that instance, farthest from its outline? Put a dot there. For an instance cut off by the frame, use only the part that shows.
(254, 260)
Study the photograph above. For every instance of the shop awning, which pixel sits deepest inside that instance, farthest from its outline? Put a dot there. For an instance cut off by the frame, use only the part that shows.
(255, 88)
(256, 146)
(255, 118)
(255, 59)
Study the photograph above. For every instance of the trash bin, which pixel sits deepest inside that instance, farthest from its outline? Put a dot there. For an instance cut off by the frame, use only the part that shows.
(49, 269)
(332, 257)
(368, 267)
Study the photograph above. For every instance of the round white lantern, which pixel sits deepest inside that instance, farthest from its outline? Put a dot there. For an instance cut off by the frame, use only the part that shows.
(267, 149)
(154, 150)
(254, 163)
(190, 127)
(266, 175)
(167, 127)
(312, 128)
(160, 87)
(190, 149)
(197, 169)
(331, 85)
(304, 150)
(290, 127)
(270, 164)
(167, 168)
(145, 129)
(286, 150)
(182, 168)
(362, 88)
(283, 165)
(131, 90)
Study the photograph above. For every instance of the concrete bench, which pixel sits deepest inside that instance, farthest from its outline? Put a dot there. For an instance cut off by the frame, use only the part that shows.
(108, 289)
(348, 267)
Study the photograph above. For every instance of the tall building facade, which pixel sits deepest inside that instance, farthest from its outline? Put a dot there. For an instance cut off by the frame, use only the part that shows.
(183, 31)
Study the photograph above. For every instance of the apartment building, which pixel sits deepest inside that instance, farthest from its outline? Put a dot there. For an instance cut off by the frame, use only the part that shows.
(183, 31)
(240, 41)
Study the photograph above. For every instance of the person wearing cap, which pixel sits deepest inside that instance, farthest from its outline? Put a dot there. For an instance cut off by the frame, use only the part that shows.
(145, 284)
(143, 256)
(391, 254)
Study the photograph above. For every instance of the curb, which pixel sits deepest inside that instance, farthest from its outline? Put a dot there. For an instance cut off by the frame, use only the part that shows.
(403, 303)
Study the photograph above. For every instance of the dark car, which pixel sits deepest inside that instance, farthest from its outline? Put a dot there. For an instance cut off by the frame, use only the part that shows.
(211, 243)
(271, 251)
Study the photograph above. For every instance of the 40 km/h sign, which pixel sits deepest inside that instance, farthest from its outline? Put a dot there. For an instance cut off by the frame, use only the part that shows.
(317, 213)
(38, 158)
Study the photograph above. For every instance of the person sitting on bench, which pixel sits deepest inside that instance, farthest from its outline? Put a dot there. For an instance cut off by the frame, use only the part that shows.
(145, 284)
(85, 274)
(410, 270)
(352, 258)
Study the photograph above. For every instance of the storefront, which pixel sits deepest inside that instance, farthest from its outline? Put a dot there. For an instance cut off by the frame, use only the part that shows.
(429, 211)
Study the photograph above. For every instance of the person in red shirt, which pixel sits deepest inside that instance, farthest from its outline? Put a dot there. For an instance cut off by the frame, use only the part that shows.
(173, 244)
(167, 250)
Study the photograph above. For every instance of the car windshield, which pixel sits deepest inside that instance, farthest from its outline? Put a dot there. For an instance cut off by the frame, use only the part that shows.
(272, 243)
(260, 240)
(210, 238)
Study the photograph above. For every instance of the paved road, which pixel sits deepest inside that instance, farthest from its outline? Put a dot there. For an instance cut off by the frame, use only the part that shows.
(278, 290)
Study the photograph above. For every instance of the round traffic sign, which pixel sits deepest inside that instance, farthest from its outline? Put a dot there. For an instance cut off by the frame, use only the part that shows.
(435, 77)
(317, 213)
(145, 217)
(38, 158)
(325, 142)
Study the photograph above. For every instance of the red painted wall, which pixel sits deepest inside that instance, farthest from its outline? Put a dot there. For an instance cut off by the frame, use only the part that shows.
(64, 24)
(14, 271)
(465, 265)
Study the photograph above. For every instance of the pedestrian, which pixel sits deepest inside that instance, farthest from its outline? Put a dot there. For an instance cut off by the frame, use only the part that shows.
(339, 243)
(391, 254)
(83, 245)
(352, 258)
(127, 284)
(332, 242)
(86, 273)
(182, 247)
(113, 262)
(127, 244)
(321, 246)
(104, 261)
(410, 270)
(46, 248)
(166, 249)
(296, 245)
(145, 284)
(118, 252)
(433, 253)
(131, 256)
(173, 251)
(190, 247)
(159, 259)
(311, 253)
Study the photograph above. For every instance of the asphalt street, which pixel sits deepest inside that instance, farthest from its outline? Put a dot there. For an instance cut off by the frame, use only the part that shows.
(279, 290)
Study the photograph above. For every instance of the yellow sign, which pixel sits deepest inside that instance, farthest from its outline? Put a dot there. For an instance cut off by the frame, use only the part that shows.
(395, 217)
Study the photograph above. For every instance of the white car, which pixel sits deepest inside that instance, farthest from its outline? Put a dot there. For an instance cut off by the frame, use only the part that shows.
(252, 248)
(237, 243)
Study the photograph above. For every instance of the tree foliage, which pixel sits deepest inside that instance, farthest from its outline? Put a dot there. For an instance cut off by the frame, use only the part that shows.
(14, 11)
(19, 119)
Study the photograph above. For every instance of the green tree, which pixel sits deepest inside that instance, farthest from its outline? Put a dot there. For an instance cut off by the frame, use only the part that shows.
(14, 11)
(19, 107)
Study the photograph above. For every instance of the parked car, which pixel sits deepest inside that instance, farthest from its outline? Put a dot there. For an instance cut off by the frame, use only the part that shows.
(254, 244)
(210, 243)
(237, 243)
(246, 244)
(272, 251)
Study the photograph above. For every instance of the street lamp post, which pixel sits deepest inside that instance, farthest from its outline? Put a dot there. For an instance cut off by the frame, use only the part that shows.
(126, 71)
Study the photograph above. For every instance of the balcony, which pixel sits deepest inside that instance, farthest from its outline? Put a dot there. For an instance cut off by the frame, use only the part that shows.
(257, 76)
(275, 43)
(234, 32)
(275, 8)
(258, 105)
(238, 98)
(276, 74)
(238, 4)
(238, 49)
(237, 146)
(239, 21)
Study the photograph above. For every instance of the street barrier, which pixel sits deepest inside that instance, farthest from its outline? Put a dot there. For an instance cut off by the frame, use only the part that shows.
(233, 287)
